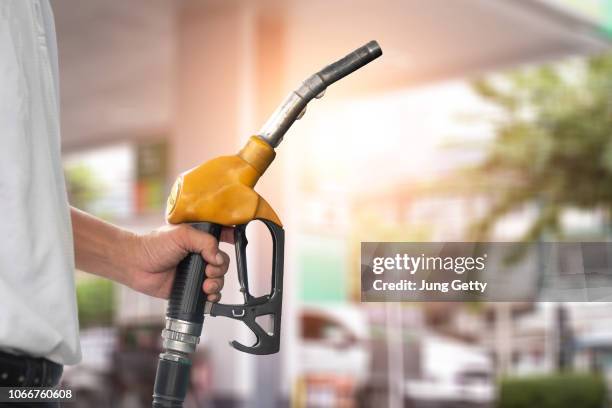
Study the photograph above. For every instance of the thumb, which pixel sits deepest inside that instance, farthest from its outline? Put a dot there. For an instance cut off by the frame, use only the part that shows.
(202, 243)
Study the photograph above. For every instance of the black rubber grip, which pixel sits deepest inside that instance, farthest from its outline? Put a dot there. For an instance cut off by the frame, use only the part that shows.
(187, 299)
(171, 384)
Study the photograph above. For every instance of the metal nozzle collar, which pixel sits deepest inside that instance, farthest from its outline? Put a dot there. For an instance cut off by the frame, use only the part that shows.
(181, 336)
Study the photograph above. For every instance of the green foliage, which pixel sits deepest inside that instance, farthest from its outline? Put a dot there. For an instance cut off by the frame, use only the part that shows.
(96, 302)
(83, 186)
(554, 391)
(553, 142)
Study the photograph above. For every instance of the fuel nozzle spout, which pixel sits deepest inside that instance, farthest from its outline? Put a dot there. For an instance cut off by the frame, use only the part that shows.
(294, 105)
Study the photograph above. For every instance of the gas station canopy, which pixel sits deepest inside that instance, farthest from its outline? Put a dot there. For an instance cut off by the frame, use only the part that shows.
(118, 59)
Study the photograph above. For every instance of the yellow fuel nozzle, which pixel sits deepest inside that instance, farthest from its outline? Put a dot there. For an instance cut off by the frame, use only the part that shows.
(221, 190)
(220, 193)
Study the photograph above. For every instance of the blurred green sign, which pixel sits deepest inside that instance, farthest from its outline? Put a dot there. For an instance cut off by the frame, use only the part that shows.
(322, 269)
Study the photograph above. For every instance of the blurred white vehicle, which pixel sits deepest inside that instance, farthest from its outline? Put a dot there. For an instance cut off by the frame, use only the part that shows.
(333, 343)
(452, 372)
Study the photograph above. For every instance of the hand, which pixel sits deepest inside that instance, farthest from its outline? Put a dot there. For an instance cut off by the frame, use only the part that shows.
(156, 255)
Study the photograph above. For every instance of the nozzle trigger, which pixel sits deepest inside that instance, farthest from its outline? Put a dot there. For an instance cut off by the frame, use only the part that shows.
(254, 307)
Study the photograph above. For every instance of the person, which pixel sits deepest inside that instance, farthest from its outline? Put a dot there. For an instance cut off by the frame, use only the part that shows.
(41, 237)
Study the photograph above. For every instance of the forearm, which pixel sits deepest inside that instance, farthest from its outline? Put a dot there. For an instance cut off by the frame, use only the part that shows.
(145, 263)
(101, 248)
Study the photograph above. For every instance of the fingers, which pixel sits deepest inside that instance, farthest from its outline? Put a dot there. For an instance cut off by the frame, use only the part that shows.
(217, 271)
(214, 278)
(217, 261)
(212, 286)
(200, 242)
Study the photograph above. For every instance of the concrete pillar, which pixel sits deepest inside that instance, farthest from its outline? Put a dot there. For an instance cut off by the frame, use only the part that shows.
(209, 57)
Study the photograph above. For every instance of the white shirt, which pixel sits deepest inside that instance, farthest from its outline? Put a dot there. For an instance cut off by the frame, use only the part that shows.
(38, 312)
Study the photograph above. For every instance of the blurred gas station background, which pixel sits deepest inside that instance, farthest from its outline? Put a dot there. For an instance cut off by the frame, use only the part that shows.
(150, 88)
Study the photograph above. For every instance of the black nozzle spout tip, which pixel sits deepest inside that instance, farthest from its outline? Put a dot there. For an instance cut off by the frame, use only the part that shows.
(374, 48)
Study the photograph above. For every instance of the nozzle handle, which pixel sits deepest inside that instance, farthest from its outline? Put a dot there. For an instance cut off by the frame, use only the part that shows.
(294, 106)
(184, 318)
(186, 300)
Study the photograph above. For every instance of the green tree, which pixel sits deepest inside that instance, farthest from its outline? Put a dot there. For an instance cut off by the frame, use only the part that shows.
(96, 302)
(553, 143)
(83, 186)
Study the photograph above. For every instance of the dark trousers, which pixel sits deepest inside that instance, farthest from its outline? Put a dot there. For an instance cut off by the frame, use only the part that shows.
(25, 371)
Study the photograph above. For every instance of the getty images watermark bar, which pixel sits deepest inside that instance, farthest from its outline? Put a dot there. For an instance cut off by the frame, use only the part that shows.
(486, 271)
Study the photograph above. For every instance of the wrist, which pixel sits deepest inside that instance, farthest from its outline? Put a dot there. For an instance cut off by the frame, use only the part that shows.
(128, 253)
